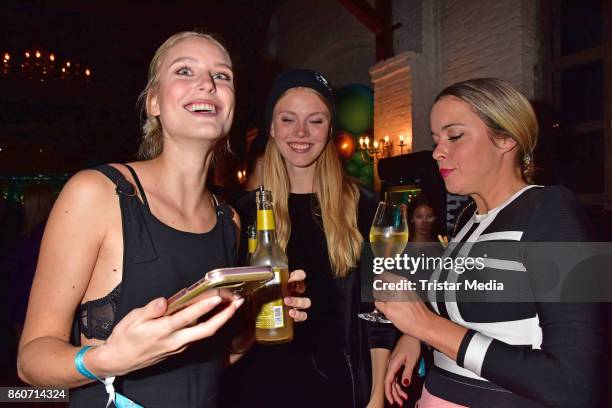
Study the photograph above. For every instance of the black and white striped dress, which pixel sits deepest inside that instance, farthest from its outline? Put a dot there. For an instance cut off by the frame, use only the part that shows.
(517, 354)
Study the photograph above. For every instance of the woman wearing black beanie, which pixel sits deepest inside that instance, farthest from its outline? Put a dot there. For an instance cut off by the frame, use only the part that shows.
(322, 218)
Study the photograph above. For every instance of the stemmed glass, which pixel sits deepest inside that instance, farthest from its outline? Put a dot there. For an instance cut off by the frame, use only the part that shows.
(388, 237)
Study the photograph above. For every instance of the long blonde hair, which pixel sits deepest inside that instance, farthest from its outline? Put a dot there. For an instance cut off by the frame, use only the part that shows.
(338, 199)
(505, 111)
(152, 142)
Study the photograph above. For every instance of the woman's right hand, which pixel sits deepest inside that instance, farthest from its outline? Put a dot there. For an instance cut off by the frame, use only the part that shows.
(145, 336)
(406, 353)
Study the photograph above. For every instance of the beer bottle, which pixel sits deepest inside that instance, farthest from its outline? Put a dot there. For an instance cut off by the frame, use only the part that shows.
(252, 242)
(272, 323)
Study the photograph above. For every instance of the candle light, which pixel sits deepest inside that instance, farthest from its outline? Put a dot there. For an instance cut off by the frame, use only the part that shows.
(367, 141)
(386, 139)
(402, 138)
(376, 144)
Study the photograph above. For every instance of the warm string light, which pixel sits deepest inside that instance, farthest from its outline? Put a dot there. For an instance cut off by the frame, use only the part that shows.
(401, 143)
(40, 65)
(380, 148)
(242, 176)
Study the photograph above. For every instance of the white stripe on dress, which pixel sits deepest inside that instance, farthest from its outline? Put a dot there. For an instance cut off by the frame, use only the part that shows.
(503, 264)
(476, 352)
(501, 235)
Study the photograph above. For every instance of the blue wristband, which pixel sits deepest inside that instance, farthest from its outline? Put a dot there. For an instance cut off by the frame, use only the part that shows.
(421, 373)
(80, 365)
(119, 400)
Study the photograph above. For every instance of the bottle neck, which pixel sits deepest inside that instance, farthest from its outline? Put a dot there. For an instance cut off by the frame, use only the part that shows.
(266, 227)
(266, 237)
(252, 244)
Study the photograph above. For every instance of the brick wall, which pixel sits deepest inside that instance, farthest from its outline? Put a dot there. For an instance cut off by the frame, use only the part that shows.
(322, 35)
(393, 101)
(445, 41)
(489, 38)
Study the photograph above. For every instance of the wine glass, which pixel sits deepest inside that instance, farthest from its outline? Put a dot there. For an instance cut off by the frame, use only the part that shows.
(388, 237)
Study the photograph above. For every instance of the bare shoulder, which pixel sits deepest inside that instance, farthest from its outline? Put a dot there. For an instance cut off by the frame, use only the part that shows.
(88, 186)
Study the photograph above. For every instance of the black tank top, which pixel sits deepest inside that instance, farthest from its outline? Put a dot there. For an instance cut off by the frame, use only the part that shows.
(159, 260)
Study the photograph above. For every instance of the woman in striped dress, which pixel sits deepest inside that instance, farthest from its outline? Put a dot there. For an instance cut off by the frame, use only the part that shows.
(494, 345)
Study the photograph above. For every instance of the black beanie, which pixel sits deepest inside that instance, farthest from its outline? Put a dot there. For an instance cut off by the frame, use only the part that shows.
(295, 78)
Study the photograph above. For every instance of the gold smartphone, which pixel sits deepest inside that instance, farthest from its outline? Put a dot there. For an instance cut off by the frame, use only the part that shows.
(242, 281)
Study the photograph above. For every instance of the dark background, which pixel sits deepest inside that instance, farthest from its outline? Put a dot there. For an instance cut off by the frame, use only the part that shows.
(81, 121)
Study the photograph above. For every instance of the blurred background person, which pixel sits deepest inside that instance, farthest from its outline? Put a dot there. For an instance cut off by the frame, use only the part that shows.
(424, 224)
(38, 199)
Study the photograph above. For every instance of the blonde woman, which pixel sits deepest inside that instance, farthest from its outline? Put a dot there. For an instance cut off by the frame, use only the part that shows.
(122, 238)
(322, 218)
(502, 354)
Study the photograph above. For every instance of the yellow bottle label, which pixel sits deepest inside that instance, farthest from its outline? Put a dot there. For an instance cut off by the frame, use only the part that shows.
(265, 220)
(252, 245)
(271, 314)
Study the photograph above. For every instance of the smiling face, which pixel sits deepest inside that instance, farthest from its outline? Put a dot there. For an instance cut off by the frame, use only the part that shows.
(468, 159)
(300, 127)
(195, 94)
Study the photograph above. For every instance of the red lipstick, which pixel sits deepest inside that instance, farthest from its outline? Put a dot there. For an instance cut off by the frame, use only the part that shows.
(445, 172)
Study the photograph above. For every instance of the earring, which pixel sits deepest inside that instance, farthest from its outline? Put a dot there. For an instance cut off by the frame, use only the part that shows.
(526, 160)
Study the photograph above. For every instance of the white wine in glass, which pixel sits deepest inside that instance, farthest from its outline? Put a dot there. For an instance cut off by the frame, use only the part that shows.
(388, 237)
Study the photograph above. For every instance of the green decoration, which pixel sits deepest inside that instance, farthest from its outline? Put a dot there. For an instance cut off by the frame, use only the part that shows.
(355, 108)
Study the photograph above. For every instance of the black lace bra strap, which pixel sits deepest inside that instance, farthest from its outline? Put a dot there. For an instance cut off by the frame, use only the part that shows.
(140, 189)
(123, 187)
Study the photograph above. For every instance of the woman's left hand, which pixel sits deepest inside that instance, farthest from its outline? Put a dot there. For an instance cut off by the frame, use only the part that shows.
(407, 311)
(297, 287)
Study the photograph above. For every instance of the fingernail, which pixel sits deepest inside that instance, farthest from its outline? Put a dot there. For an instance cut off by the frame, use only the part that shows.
(406, 382)
(238, 302)
(288, 300)
(159, 303)
(215, 300)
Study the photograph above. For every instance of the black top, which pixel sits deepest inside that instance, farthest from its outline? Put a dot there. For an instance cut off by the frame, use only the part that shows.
(159, 260)
(326, 364)
(519, 354)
